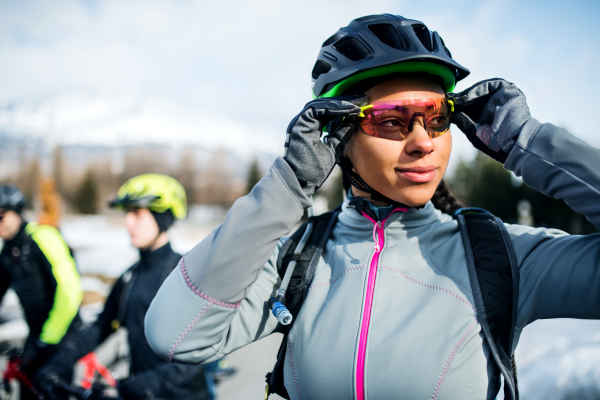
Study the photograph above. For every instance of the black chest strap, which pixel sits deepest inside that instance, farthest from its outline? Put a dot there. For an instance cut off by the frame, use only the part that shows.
(494, 277)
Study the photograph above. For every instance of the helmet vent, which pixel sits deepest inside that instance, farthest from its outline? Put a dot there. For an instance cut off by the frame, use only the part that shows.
(388, 35)
(321, 67)
(329, 55)
(445, 48)
(336, 36)
(423, 35)
(352, 48)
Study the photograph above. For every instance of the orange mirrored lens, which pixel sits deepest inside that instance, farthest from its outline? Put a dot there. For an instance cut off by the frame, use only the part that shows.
(394, 120)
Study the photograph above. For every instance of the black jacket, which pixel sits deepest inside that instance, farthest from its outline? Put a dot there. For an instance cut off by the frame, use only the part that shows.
(126, 306)
(38, 265)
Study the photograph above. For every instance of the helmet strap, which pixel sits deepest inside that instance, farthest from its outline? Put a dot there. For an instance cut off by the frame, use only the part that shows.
(360, 184)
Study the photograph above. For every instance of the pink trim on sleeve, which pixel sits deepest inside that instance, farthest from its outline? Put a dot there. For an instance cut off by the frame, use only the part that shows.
(197, 291)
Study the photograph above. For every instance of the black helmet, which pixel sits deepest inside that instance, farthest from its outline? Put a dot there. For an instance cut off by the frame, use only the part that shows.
(11, 198)
(378, 45)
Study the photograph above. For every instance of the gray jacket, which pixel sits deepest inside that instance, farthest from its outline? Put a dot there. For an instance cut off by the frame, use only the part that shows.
(390, 321)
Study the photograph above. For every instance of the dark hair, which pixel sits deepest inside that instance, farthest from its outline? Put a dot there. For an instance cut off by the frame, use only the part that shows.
(442, 199)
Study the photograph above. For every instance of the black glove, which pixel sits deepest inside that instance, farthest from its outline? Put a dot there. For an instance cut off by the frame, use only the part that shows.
(311, 159)
(35, 354)
(47, 377)
(140, 387)
(491, 113)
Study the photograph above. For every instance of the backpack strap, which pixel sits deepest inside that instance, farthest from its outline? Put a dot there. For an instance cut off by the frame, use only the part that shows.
(494, 277)
(306, 264)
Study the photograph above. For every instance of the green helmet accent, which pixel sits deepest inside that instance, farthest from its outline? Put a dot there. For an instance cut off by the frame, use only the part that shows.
(155, 192)
(440, 70)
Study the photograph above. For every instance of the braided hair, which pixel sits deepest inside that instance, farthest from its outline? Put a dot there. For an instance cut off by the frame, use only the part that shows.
(444, 200)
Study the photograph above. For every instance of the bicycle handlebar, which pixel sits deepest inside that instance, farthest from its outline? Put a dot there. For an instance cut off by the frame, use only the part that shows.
(83, 394)
(10, 350)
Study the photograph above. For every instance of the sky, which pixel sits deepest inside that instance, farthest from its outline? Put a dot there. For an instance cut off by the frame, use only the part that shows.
(233, 74)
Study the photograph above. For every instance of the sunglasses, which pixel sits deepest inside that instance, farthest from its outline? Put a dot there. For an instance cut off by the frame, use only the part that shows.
(394, 120)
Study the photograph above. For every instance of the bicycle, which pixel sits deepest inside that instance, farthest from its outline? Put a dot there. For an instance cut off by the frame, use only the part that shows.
(92, 367)
(13, 372)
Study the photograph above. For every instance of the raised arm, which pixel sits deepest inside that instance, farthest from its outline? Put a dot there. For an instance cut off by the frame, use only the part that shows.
(216, 300)
(210, 304)
(559, 273)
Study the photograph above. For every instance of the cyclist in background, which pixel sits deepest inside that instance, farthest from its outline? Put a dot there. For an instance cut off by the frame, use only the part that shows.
(38, 265)
(152, 202)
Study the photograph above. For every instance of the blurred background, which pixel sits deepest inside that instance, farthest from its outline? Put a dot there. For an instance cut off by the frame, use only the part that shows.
(95, 92)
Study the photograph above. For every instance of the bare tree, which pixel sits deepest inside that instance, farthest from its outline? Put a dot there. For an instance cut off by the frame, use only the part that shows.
(187, 174)
(58, 169)
(29, 176)
(219, 185)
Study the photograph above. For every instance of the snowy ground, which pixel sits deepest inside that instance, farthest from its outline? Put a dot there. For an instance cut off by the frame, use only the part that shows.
(556, 359)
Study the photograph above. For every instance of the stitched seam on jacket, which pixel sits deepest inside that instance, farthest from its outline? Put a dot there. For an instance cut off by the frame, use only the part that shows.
(197, 291)
(327, 284)
(428, 286)
(187, 330)
(464, 336)
(294, 369)
(439, 267)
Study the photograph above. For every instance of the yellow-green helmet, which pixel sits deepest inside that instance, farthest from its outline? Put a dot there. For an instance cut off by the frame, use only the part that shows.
(155, 192)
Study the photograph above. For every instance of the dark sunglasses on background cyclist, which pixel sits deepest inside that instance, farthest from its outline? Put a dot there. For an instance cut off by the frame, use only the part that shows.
(395, 119)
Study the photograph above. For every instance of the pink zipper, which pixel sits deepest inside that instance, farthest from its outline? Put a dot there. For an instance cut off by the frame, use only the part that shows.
(379, 239)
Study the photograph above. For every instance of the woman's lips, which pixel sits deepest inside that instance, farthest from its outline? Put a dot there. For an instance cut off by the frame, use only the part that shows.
(421, 174)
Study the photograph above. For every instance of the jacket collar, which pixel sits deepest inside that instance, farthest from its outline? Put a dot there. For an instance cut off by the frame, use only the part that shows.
(150, 257)
(351, 215)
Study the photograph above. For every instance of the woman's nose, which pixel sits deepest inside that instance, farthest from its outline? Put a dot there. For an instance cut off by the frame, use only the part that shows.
(418, 142)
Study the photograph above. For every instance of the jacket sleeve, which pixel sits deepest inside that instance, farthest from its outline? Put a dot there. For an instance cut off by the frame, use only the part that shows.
(216, 300)
(81, 343)
(559, 273)
(69, 293)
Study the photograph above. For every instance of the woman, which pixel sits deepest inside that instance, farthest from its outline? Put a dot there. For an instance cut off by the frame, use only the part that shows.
(390, 310)
(152, 202)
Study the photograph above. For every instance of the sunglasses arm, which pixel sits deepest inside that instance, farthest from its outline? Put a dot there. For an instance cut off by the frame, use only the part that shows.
(363, 109)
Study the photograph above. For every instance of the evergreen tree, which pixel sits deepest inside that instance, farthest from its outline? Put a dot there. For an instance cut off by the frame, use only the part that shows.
(254, 175)
(86, 199)
(485, 183)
